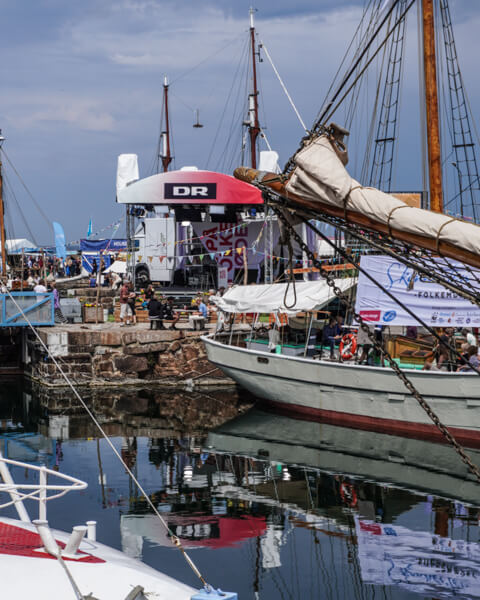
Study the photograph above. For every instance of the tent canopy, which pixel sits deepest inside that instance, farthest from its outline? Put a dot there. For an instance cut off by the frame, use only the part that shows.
(118, 266)
(310, 295)
(19, 244)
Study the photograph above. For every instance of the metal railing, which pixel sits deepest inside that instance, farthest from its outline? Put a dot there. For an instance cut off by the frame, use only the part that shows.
(38, 492)
(38, 307)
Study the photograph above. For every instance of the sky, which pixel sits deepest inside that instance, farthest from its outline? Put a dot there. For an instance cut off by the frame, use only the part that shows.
(81, 83)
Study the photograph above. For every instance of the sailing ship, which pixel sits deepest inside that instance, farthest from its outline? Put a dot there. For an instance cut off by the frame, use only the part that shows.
(316, 185)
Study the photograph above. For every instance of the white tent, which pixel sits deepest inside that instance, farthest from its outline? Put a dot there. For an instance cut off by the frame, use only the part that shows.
(310, 295)
(19, 244)
(118, 266)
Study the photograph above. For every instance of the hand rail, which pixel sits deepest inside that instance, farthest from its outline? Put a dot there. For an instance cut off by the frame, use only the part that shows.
(27, 491)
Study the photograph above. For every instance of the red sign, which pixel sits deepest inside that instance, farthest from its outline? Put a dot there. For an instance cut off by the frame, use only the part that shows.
(370, 315)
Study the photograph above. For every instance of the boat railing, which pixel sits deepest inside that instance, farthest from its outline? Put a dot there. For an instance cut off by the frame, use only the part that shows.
(41, 492)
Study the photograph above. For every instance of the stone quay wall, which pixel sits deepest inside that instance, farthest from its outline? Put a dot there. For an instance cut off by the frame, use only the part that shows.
(106, 354)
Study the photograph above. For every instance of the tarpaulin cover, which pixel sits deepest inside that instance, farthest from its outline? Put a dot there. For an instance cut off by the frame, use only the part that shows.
(269, 298)
(189, 187)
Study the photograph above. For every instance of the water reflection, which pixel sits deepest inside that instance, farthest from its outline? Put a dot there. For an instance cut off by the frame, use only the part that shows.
(274, 507)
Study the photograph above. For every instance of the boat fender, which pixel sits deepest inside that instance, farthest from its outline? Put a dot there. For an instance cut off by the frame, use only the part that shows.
(209, 593)
(348, 346)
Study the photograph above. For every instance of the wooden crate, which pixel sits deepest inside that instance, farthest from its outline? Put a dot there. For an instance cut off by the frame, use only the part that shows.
(90, 314)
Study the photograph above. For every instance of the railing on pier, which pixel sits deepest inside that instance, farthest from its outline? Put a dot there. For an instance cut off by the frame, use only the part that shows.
(15, 306)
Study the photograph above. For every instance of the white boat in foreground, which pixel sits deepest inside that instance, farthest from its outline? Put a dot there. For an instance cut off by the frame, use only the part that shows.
(45, 564)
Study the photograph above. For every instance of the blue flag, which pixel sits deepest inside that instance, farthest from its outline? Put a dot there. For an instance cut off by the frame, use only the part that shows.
(60, 249)
(89, 230)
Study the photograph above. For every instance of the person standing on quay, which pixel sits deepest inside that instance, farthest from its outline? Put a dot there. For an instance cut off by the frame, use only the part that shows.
(125, 310)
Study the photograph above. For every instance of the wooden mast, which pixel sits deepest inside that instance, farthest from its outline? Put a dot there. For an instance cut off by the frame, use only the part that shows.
(2, 215)
(254, 127)
(166, 155)
(431, 103)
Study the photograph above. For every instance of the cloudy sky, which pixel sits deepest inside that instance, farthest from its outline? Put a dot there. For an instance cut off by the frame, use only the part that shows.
(82, 82)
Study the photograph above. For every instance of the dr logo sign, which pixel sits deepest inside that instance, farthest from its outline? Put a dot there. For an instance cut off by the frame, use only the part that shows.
(190, 191)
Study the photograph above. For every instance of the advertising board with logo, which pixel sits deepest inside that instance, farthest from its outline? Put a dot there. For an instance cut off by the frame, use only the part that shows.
(435, 305)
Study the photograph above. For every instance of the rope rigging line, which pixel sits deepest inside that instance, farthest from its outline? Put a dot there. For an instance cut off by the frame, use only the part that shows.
(328, 114)
(10, 192)
(330, 280)
(357, 62)
(354, 37)
(329, 111)
(175, 540)
(230, 92)
(284, 87)
(39, 208)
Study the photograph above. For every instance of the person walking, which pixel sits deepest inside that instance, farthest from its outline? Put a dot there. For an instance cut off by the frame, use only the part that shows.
(59, 316)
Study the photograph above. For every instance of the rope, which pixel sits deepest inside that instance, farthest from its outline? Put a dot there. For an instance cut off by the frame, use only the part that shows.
(173, 537)
(284, 87)
(73, 583)
(291, 277)
(330, 280)
(39, 208)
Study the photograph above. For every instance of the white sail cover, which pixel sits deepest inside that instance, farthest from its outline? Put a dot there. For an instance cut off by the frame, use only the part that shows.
(319, 175)
(269, 298)
(127, 170)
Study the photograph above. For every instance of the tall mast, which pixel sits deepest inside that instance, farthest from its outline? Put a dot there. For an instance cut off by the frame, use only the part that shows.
(431, 102)
(165, 145)
(2, 213)
(254, 125)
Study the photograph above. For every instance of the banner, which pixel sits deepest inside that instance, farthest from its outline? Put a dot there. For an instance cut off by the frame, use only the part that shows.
(436, 305)
(417, 561)
(224, 241)
(60, 249)
(108, 245)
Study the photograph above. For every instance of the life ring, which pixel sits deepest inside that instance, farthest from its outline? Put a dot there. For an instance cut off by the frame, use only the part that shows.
(348, 346)
(348, 494)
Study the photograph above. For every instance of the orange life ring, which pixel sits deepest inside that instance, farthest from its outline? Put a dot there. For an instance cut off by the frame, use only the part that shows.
(348, 346)
(348, 494)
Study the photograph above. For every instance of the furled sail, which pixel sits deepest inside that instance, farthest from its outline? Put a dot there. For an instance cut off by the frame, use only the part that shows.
(320, 182)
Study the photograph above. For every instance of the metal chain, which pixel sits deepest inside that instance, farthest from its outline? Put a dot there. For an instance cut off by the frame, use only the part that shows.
(329, 277)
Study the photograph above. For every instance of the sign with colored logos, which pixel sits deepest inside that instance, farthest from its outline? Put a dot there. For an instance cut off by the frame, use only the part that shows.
(434, 304)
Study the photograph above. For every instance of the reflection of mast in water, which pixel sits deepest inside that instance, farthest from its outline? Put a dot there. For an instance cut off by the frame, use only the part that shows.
(101, 476)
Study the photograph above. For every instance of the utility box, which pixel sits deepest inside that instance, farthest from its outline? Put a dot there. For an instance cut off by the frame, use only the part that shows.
(71, 309)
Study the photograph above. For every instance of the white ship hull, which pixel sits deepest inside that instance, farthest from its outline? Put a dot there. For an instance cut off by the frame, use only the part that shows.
(355, 396)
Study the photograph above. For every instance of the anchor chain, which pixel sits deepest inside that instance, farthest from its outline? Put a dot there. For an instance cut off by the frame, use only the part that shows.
(330, 280)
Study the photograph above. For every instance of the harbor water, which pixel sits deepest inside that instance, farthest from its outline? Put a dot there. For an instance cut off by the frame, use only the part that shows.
(269, 507)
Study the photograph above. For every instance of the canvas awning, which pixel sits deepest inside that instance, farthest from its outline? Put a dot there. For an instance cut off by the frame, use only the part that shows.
(310, 295)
